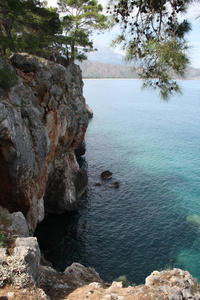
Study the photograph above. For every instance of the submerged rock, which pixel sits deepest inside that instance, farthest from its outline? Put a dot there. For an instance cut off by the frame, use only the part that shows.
(106, 175)
(114, 185)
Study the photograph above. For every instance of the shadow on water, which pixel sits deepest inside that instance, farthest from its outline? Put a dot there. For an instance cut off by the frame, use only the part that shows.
(60, 237)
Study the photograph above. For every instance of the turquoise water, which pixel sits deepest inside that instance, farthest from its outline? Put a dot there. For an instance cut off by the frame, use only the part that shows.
(152, 221)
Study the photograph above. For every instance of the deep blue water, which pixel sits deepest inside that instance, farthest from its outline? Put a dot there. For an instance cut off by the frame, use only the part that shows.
(152, 221)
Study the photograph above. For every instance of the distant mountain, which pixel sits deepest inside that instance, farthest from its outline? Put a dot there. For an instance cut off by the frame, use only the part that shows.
(105, 63)
(192, 73)
(96, 69)
(105, 55)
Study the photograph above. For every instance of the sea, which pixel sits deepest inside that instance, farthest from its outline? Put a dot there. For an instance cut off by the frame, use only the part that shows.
(152, 220)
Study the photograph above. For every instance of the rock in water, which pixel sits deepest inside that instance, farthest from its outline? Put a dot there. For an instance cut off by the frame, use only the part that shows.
(89, 111)
(114, 185)
(106, 175)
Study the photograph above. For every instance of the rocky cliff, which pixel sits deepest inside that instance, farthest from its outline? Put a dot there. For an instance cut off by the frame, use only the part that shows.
(43, 119)
(22, 276)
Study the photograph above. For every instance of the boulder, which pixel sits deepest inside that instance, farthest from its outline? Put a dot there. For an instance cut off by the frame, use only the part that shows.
(59, 285)
(19, 225)
(89, 111)
(27, 250)
(80, 274)
(25, 62)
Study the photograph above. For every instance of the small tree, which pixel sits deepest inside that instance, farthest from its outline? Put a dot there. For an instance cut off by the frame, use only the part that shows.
(80, 19)
(153, 36)
(8, 78)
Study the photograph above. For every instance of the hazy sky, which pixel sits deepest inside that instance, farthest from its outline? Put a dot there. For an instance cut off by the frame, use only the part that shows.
(193, 36)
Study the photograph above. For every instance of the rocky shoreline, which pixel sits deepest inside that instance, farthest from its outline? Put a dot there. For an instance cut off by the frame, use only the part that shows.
(43, 120)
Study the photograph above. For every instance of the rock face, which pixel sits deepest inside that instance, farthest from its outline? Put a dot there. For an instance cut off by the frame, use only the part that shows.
(42, 122)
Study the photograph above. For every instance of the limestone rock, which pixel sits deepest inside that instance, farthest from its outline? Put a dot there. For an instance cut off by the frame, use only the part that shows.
(21, 268)
(173, 284)
(3, 252)
(27, 249)
(81, 274)
(25, 62)
(58, 285)
(42, 123)
(89, 111)
(19, 225)
(65, 186)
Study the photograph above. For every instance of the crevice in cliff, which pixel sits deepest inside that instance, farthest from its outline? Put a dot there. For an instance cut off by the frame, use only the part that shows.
(54, 191)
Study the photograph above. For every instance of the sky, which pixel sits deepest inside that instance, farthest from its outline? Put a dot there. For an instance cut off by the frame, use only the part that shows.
(193, 37)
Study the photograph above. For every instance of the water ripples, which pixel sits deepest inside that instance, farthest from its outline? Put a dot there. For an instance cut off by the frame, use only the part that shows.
(152, 148)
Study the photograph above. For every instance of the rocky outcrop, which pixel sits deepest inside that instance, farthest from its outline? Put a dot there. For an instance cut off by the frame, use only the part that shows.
(173, 284)
(59, 285)
(21, 275)
(89, 111)
(42, 122)
(21, 268)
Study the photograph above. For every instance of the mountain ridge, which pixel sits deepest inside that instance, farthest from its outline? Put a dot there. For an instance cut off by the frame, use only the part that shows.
(96, 69)
(106, 63)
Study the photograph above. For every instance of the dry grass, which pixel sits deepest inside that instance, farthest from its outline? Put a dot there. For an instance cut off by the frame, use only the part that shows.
(31, 293)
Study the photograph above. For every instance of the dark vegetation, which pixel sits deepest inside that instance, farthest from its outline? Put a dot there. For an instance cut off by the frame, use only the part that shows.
(8, 77)
(30, 26)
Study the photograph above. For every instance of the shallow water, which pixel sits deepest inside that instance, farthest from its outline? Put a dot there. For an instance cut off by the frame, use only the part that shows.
(152, 221)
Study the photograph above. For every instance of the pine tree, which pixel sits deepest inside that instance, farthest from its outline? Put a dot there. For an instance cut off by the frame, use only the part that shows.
(26, 25)
(80, 19)
(153, 37)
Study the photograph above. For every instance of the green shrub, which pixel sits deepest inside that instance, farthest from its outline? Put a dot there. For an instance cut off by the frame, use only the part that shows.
(8, 78)
(74, 106)
(124, 280)
(2, 239)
